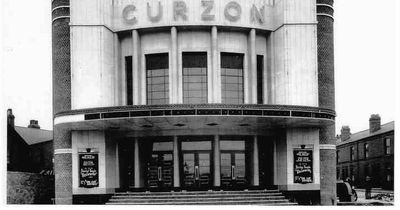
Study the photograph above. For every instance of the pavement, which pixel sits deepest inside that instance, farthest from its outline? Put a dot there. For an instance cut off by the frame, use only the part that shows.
(362, 201)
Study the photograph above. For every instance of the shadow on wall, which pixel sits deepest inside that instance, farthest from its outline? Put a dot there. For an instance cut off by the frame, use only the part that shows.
(29, 188)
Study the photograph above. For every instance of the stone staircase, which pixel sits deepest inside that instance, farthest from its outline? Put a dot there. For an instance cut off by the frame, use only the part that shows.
(250, 197)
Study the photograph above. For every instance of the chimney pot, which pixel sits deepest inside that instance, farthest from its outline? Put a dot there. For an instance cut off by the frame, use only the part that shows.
(34, 124)
(374, 123)
(10, 118)
(345, 133)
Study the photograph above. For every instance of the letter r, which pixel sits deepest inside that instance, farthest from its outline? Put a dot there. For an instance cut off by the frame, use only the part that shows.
(180, 10)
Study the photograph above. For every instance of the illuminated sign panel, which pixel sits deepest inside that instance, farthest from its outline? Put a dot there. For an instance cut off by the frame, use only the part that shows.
(134, 14)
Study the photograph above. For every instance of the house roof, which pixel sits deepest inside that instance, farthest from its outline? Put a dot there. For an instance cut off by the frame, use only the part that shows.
(34, 135)
(365, 133)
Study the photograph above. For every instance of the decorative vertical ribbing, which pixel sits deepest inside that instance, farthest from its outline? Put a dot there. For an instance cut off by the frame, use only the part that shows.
(61, 98)
(326, 95)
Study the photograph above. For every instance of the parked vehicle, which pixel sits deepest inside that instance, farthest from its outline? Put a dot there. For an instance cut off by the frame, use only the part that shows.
(345, 192)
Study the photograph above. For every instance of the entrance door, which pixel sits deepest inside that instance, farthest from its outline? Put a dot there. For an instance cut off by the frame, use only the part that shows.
(233, 170)
(196, 170)
(160, 171)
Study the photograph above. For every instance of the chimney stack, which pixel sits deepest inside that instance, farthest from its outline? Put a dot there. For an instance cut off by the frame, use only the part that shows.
(374, 123)
(345, 133)
(10, 118)
(34, 124)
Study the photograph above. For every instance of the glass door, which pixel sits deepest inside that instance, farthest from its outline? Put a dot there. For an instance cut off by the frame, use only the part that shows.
(233, 169)
(160, 171)
(196, 170)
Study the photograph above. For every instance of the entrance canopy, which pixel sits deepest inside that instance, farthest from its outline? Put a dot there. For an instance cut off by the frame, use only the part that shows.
(194, 118)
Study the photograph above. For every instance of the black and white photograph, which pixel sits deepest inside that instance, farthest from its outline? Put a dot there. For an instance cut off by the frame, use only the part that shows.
(216, 103)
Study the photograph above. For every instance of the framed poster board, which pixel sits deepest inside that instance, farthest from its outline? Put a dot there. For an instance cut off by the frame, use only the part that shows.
(89, 170)
(303, 166)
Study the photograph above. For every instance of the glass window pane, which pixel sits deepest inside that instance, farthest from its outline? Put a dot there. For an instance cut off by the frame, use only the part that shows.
(194, 65)
(232, 78)
(157, 78)
(196, 145)
(162, 146)
(232, 145)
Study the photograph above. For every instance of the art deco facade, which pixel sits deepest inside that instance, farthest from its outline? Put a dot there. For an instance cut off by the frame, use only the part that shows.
(193, 95)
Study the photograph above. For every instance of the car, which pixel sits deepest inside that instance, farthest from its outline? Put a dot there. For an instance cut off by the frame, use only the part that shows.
(345, 192)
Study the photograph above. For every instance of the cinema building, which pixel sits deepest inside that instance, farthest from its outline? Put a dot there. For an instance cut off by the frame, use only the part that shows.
(193, 95)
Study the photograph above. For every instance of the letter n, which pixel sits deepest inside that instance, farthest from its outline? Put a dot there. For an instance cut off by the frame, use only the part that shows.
(257, 15)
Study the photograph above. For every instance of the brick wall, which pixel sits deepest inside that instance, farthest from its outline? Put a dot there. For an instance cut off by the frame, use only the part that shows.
(41, 156)
(62, 97)
(326, 96)
(29, 188)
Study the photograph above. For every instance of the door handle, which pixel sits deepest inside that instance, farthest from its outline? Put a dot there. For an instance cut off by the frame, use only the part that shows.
(233, 172)
(196, 172)
(159, 174)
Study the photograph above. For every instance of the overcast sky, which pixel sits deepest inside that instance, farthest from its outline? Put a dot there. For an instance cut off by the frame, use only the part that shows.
(364, 59)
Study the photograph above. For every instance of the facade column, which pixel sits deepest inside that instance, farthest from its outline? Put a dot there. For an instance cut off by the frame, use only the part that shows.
(252, 73)
(176, 162)
(216, 70)
(136, 67)
(217, 162)
(255, 172)
(136, 163)
(173, 72)
(326, 99)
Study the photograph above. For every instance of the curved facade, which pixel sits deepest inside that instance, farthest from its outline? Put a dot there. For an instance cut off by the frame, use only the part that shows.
(191, 95)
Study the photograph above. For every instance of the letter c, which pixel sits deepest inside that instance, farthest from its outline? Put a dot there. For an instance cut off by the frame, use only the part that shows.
(126, 12)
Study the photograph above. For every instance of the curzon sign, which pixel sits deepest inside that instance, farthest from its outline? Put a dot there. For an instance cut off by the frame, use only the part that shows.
(133, 14)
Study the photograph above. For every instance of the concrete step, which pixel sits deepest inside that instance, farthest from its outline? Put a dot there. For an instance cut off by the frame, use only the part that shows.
(248, 197)
(197, 196)
(138, 200)
(218, 202)
(197, 192)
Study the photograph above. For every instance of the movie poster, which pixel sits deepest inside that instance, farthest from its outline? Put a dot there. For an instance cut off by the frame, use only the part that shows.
(303, 162)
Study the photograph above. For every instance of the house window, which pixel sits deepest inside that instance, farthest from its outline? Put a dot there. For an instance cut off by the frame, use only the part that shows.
(366, 150)
(157, 78)
(352, 153)
(337, 156)
(194, 66)
(352, 173)
(366, 171)
(388, 178)
(232, 78)
(387, 146)
(128, 73)
(389, 172)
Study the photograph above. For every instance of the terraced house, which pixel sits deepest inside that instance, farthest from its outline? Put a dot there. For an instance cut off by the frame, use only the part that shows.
(193, 95)
(367, 153)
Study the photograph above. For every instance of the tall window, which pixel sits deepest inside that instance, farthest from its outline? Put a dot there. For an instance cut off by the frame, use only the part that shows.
(352, 174)
(387, 146)
(337, 156)
(260, 78)
(366, 150)
(352, 153)
(128, 70)
(157, 78)
(366, 171)
(232, 78)
(194, 66)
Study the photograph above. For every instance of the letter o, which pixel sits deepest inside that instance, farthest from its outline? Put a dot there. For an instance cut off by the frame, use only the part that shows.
(233, 6)
(125, 14)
